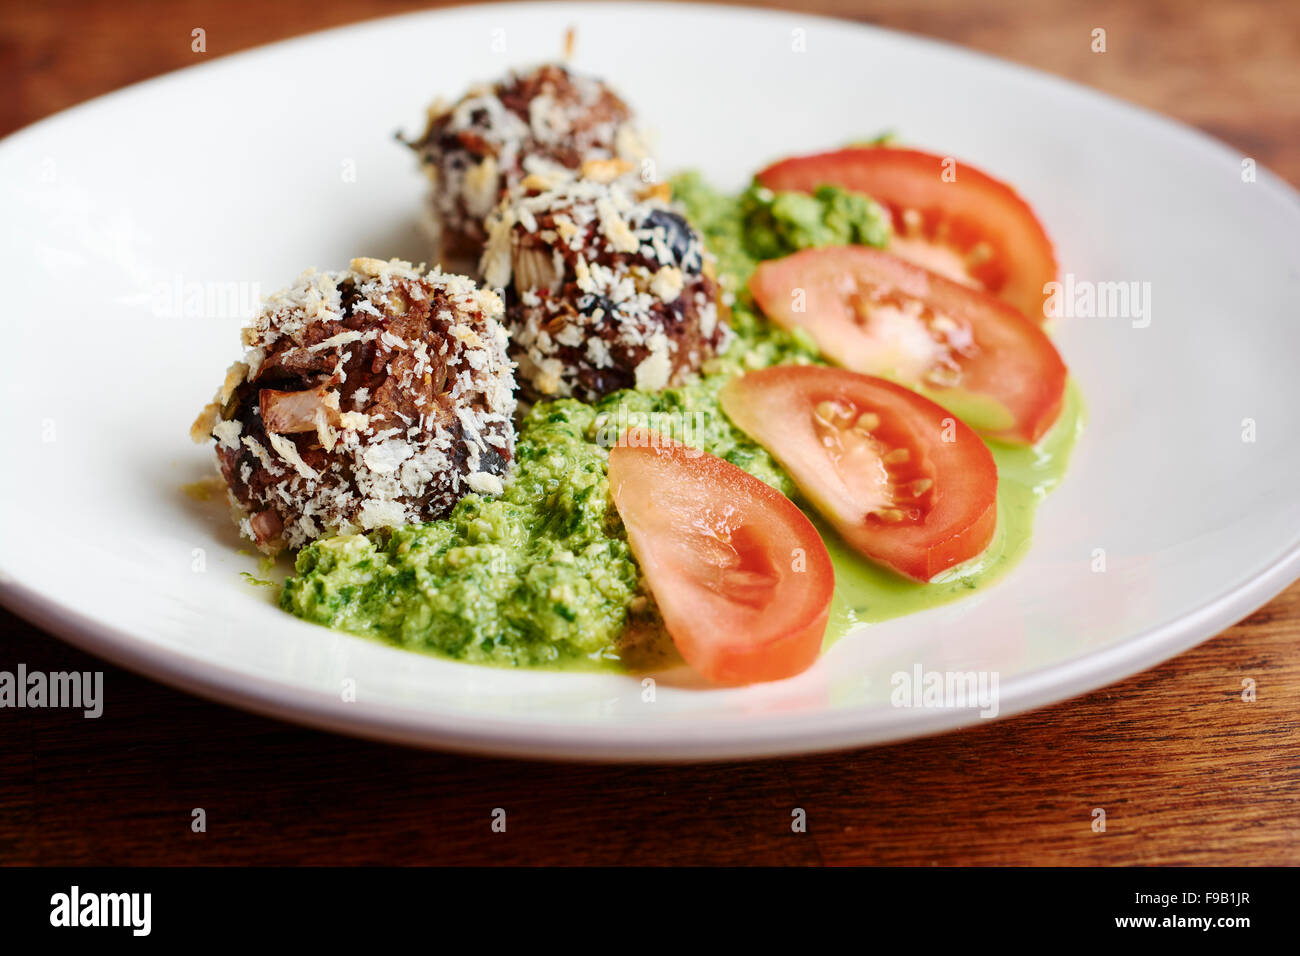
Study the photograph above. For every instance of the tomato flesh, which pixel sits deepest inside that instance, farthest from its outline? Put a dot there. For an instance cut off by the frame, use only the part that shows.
(948, 217)
(741, 576)
(873, 312)
(903, 482)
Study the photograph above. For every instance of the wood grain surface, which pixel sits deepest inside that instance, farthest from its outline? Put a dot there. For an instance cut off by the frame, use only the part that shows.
(1186, 771)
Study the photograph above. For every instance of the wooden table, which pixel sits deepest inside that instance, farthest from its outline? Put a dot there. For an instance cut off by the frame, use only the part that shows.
(1186, 771)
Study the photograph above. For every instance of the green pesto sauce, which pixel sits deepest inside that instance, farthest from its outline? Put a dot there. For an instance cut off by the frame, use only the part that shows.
(543, 576)
(867, 593)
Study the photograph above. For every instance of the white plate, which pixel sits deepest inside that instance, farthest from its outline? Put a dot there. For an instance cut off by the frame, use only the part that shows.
(236, 172)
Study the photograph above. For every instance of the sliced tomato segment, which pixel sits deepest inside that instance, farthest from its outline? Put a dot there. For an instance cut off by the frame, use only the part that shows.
(905, 483)
(873, 312)
(740, 574)
(949, 217)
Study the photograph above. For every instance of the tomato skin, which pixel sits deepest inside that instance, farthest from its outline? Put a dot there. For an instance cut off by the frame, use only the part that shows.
(775, 407)
(715, 545)
(974, 207)
(1016, 364)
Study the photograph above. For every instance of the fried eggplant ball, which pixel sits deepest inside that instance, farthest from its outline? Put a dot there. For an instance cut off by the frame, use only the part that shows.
(368, 398)
(606, 286)
(477, 148)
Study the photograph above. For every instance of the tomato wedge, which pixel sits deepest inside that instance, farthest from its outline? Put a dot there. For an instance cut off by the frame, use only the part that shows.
(741, 576)
(973, 228)
(873, 312)
(903, 482)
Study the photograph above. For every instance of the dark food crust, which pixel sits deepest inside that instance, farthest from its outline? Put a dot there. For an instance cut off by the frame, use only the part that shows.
(547, 116)
(603, 290)
(390, 389)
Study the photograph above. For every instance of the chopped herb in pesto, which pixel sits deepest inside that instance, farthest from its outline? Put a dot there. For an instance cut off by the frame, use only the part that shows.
(779, 223)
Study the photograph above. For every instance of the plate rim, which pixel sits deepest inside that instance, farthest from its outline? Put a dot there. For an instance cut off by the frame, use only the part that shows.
(767, 737)
(764, 737)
